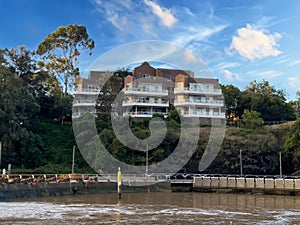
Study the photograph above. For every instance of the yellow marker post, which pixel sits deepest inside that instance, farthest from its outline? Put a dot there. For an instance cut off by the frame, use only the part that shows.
(119, 183)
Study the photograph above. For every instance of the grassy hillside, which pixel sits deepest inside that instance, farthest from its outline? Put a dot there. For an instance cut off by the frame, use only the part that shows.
(58, 142)
(260, 151)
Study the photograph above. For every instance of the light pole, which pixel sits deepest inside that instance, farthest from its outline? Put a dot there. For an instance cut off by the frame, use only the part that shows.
(241, 163)
(73, 159)
(147, 159)
(280, 164)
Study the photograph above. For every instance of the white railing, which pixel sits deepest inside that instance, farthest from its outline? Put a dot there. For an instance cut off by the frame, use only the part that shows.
(146, 89)
(87, 90)
(148, 92)
(143, 113)
(206, 115)
(200, 102)
(197, 90)
(84, 103)
(147, 101)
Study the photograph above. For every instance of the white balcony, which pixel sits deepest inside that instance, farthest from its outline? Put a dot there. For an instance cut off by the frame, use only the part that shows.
(143, 114)
(96, 93)
(137, 102)
(196, 102)
(86, 91)
(220, 115)
(198, 91)
(145, 92)
(84, 103)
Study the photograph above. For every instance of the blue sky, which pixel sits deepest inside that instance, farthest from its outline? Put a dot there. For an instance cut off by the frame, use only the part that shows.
(239, 40)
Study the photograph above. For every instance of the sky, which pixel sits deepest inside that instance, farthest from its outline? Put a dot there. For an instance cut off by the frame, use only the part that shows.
(238, 40)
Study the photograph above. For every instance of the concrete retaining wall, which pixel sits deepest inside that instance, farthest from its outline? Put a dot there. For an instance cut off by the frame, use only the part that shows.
(240, 182)
(223, 182)
(214, 182)
(269, 183)
(231, 182)
(279, 184)
(250, 183)
(288, 184)
(260, 183)
(297, 184)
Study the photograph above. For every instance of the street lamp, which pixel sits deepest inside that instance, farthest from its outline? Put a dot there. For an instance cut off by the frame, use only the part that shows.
(73, 159)
(241, 163)
(280, 164)
(147, 159)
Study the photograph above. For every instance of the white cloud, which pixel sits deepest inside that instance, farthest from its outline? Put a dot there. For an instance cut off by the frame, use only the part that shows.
(254, 44)
(197, 34)
(230, 76)
(188, 11)
(165, 15)
(225, 65)
(283, 59)
(119, 22)
(137, 20)
(294, 82)
(114, 12)
(294, 63)
(269, 74)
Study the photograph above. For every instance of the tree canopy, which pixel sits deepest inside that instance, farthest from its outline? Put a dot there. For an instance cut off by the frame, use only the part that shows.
(261, 97)
(62, 49)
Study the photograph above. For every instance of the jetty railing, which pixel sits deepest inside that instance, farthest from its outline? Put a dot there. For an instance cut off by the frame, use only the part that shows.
(198, 180)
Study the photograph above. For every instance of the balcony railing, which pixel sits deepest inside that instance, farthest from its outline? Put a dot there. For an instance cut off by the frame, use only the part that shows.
(204, 114)
(87, 91)
(147, 91)
(84, 102)
(146, 102)
(198, 102)
(143, 114)
(197, 90)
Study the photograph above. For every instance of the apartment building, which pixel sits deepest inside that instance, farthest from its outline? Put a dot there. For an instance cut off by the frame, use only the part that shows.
(86, 92)
(198, 97)
(148, 90)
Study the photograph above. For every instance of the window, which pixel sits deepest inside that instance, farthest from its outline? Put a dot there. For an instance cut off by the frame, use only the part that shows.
(91, 88)
(146, 76)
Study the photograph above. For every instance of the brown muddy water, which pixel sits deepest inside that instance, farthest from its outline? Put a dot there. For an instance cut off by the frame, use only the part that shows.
(153, 208)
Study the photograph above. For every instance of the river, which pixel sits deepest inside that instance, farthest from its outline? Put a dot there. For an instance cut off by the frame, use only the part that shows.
(153, 208)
